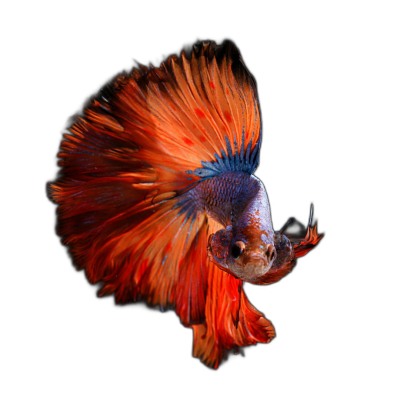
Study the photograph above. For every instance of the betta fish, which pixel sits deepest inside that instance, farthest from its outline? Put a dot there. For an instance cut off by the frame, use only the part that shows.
(158, 202)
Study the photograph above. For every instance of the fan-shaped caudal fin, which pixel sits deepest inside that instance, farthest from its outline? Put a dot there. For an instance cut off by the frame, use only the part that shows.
(222, 330)
(127, 162)
(309, 242)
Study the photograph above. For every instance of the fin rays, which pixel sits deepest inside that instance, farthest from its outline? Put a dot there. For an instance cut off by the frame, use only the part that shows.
(127, 164)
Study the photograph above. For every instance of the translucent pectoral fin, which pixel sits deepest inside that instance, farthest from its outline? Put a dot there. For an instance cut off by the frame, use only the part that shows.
(294, 230)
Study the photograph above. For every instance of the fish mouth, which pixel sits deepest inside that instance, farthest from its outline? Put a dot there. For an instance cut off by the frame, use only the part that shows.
(252, 269)
(248, 266)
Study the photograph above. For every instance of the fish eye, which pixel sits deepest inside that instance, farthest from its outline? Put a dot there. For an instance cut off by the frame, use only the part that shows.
(237, 249)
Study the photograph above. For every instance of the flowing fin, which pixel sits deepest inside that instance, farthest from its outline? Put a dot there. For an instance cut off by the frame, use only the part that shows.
(309, 242)
(127, 167)
(303, 239)
(157, 255)
(219, 333)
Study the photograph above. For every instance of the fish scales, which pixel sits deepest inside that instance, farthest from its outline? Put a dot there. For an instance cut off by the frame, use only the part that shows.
(225, 196)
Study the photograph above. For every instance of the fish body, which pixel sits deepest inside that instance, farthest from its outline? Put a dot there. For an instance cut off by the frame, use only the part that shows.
(158, 202)
(238, 201)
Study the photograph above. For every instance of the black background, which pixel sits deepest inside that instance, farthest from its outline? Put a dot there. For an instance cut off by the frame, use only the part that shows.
(306, 79)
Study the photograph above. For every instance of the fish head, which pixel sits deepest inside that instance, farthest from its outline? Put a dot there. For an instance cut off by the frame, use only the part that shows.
(249, 254)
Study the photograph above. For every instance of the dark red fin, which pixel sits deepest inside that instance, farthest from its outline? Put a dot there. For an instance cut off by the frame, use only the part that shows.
(309, 242)
(127, 164)
(219, 332)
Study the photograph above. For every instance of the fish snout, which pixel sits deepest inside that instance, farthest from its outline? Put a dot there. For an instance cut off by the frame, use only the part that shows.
(265, 255)
(258, 262)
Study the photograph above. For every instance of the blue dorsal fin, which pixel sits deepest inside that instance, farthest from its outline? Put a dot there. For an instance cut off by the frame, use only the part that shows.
(245, 161)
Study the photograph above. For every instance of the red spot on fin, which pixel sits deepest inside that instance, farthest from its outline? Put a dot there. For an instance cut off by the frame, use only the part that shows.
(228, 116)
(199, 113)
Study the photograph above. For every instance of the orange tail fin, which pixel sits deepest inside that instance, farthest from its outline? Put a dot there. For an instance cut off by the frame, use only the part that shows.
(127, 165)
